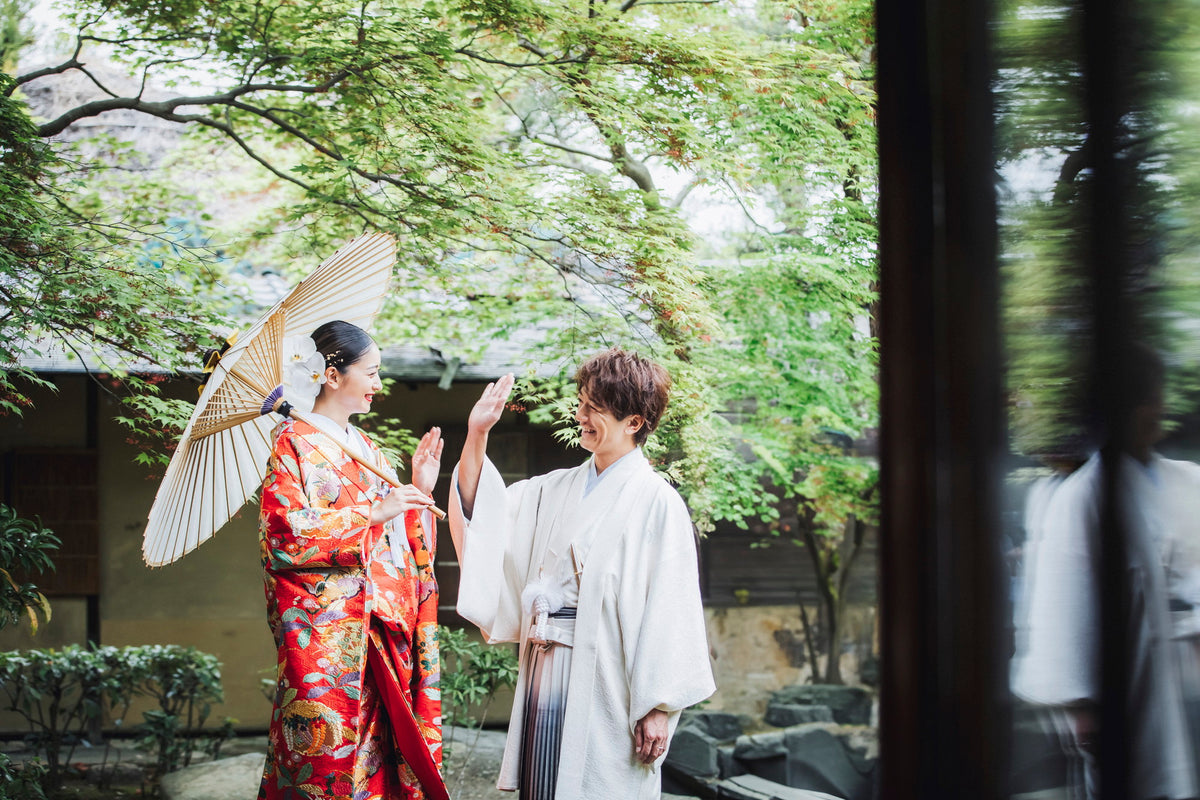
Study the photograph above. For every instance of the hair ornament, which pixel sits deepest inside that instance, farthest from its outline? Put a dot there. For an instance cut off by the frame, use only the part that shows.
(335, 359)
(303, 371)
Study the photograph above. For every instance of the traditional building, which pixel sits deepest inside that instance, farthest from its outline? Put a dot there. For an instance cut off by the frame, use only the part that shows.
(69, 462)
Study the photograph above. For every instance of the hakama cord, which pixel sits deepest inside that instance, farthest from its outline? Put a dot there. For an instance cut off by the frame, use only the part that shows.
(338, 588)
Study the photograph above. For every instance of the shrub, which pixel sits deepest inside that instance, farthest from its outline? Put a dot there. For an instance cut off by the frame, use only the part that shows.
(186, 682)
(61, 693)
(23, 781)
(25, 548)
(472, 672)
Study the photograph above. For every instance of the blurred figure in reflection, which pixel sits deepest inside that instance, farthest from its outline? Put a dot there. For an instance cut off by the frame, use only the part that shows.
(1181, 559)
(1057, 664)
(1037, 501)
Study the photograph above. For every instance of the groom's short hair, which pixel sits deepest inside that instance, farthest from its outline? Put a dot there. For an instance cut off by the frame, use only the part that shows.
(623, 383)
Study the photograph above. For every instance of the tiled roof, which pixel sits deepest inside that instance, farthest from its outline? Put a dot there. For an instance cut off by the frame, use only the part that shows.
(404, 362)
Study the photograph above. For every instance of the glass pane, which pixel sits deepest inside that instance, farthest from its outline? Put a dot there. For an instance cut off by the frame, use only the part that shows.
(1097, 167)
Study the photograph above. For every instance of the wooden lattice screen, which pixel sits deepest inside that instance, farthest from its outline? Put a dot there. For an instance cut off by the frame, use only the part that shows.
(61, 487)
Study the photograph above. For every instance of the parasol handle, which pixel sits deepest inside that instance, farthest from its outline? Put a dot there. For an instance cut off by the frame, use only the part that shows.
(285, 408)
(437, 512)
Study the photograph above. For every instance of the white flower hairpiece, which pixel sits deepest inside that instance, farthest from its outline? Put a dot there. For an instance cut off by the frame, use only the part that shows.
(303, 371)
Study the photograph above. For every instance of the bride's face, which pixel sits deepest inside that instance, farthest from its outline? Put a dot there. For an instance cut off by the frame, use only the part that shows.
(355, 387)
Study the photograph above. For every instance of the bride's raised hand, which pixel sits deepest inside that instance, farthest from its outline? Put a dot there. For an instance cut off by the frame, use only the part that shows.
(490, 405)
(427, 460)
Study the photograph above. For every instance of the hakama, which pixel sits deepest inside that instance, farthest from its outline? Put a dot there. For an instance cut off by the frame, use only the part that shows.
(548, 665)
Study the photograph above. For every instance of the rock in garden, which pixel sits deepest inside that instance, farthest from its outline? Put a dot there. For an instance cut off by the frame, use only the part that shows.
(727, 765)
(851, 705)
(763, 754)
(694, 753)
(752, 787)
(720, 725)
(234, 778)
(760, 745)
(785, 715)
(817, 760)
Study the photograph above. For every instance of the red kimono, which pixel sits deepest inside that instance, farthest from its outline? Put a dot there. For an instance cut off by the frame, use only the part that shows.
(353, 609)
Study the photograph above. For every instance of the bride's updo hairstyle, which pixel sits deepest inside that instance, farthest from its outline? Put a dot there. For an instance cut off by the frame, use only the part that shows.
(341, 343)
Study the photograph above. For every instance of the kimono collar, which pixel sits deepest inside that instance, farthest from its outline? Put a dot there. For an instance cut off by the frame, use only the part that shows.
(1138, 475)
(593, 478)
(338, 460)
(348, 435)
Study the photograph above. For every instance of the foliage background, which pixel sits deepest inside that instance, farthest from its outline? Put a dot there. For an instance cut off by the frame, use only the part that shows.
(695, 180)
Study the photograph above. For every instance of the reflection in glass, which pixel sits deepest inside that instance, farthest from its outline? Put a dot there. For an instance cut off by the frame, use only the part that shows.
(1102, 429)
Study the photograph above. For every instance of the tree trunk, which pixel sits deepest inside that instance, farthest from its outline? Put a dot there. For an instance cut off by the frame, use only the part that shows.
(810, 644)
(853, 533)
(824, 568)
(833, 642)
(832, 563)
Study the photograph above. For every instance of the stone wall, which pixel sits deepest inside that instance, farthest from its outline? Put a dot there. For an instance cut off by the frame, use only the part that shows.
(759, 649)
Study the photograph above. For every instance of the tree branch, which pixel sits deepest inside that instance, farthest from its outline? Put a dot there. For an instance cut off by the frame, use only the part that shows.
(677, 201)
(631, 168)
(572, 150)
(527, 44)
(626, 164)
(66, 66)
(738, 199)
(227, 130)
(573, 166)
(545, 61)
(628, 4)
(166, 109)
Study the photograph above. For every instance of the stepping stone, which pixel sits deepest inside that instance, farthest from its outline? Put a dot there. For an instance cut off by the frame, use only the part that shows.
(234, 778)
(752, 787)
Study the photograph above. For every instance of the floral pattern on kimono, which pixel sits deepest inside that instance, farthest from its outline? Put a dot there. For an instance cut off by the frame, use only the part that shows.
(333, 583)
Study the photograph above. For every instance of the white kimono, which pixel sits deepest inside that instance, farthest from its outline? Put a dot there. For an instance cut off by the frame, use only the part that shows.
(640, 640)
(1059, 665)
(1180, 490)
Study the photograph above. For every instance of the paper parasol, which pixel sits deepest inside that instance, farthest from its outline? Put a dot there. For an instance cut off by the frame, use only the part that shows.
(223, 453)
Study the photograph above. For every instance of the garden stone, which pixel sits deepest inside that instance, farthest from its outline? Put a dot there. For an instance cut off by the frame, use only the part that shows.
(693, 752)
(234, 778)
(817, 760)
(858, 759)
(752, 787)
(785, 715)
(719, 725)
(760, 745)
(727, 765)
(764, 755)
(851, 705)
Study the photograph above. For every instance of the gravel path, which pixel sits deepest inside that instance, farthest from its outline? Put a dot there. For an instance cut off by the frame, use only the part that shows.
(471, 766)
(474, 763)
